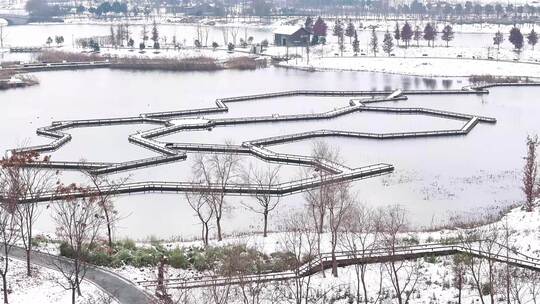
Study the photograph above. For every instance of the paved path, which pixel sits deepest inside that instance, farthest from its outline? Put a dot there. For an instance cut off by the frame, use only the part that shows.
(124, 291)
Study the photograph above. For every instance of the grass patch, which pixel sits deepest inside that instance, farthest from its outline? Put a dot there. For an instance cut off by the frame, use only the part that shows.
(54, 56)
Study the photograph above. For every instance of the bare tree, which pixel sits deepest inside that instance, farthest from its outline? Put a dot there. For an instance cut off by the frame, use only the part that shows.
(264, 178)
(533, 286)
(78, 222)
(199, 202)
(340, 202)
(459, 269)
(24, 181)
(234, 33)
(299, 239)
(9, 235)
(225, 33)
(403, 274)
(318, 198)
(216, 172)
(485, 239)
(104, 199)
(518, 286)
(530, 185)
(360, 237)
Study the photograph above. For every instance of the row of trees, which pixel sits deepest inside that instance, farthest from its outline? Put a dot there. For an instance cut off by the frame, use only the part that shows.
(120, 35)
(445, 11)
(406, 34)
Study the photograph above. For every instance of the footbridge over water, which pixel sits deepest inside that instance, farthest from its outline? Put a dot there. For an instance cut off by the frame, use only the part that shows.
(172, 151)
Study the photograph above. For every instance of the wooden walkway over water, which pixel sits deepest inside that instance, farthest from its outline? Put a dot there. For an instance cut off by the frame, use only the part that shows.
(370, 256)
(172, 152)
(233, 189)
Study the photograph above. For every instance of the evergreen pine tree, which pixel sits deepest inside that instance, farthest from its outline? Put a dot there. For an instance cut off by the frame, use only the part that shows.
(406, 34)
(374, 42)
(388, 44)
(338, 29)
(155, 35)
(397, 33)
(516, 38)
(350, 31)
(356, 44)
(532, 38)
(429, 34)
(447, 34)
(339, 32)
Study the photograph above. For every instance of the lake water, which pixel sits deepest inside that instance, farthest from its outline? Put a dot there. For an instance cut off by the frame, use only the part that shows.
(434, 177)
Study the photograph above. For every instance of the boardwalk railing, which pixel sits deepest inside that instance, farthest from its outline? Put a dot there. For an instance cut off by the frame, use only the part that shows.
(177, 151)
(230, 189)
(368, 256)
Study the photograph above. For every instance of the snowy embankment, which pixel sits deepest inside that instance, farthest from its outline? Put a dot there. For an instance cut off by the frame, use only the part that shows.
(433, 67)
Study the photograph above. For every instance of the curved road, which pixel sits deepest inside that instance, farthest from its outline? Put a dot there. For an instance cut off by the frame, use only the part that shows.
(124, 291)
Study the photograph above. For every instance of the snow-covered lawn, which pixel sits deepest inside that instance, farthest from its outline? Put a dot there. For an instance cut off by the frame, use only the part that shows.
(44, 287)
(420, 66)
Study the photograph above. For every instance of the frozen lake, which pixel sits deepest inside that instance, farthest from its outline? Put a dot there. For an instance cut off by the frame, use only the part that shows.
(434, 177)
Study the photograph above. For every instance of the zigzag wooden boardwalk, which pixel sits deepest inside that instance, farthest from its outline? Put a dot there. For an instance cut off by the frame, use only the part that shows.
(347, 258)
(282, 189)
(172, 152)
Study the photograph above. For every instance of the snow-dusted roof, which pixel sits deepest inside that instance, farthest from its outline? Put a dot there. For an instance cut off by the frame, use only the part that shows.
(286, 30)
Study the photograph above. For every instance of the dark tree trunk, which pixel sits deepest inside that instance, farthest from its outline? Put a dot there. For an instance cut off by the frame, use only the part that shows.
(4, 285)
(109, 228)
(73, 295)
(363, 276)
(460, 278)
(218, 224)
(398, 289)
(206, 233)
(265, 231)
(28, 268)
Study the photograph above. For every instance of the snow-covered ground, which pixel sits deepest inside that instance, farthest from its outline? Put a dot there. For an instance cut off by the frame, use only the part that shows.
(435, 276)
(420, 66)
(421, 61)
(44, 287)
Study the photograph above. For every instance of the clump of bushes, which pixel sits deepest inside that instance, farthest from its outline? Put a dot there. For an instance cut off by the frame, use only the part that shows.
(229, 259)
(53, 56)
(200, 63)
(485, 79)
(245, 63)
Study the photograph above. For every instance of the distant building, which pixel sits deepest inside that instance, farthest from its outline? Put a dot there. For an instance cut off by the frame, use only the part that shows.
(291, 36)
